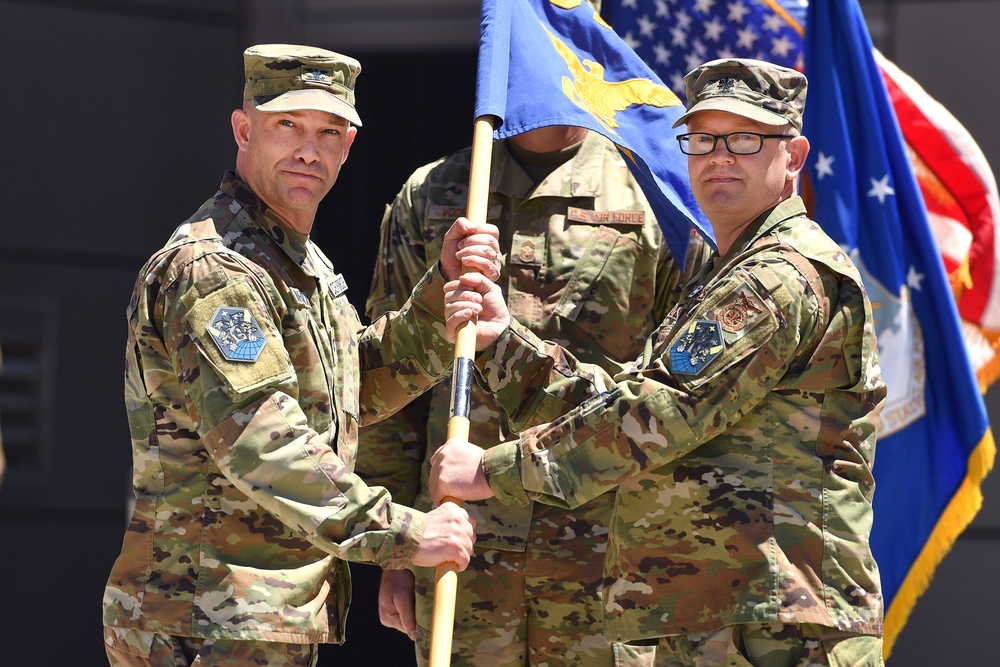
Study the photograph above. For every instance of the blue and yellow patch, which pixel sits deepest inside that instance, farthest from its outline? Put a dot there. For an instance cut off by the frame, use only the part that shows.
(700, 343)
(236, 334)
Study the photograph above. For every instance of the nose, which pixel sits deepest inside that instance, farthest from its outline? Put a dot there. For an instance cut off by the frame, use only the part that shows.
(307, 151)
(721, 152)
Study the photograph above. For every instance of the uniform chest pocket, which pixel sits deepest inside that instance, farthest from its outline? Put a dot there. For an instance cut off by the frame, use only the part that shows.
(343, 328)
(610, 293)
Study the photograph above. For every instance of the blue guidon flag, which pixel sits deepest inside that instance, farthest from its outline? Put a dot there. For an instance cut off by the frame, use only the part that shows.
(236, 334)
(557, 62)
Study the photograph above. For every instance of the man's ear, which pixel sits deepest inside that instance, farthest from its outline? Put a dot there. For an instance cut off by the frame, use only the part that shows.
(241, 128)
(352, 132)
(798, 149)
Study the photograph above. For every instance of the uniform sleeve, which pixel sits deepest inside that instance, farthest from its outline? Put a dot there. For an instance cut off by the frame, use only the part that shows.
(223, 332)
(391, 452)
(402, 255)
(405, 352)
(536, 381)
(703, 380)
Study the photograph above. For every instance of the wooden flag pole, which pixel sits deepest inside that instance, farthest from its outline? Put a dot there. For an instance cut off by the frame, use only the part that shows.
(446, 575)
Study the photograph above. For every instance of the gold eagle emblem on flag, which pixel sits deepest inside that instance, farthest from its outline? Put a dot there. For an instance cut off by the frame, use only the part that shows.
(603, 99)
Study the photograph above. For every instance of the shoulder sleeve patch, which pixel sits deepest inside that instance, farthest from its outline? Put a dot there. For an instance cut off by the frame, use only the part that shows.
(741, 311)
(694, 349)
(234, 334)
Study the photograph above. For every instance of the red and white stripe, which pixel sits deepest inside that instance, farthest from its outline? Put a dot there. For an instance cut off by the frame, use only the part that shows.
(960, 192)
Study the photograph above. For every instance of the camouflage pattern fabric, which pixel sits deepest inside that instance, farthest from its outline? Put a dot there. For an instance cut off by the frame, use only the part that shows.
(289, 77)
(247, 377)
(765, 92)
(771, 645)
(586, 266)
(135, 648)
(740, 445)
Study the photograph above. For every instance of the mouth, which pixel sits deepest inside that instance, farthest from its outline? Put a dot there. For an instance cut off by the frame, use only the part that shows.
(298, 174)
(721, 178)
(303, 174)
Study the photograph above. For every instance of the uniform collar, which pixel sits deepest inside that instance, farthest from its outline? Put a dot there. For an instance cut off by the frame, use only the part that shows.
(580, 176)
(294, 244)
(792, 207)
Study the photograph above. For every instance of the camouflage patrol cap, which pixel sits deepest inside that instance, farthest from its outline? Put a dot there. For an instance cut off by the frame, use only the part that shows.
(288, 77)
(755, 89)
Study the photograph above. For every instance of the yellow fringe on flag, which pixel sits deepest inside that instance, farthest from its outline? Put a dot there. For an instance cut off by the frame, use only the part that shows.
(956, 518)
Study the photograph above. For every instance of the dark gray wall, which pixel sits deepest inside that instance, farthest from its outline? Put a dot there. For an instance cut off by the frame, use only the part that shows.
(107, 144)
(115, 127)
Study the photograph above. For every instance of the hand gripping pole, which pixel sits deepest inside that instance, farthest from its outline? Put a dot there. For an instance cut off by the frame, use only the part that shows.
(446, 575)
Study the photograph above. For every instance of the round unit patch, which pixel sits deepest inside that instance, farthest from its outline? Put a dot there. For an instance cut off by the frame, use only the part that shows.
(733, 318)
(236, 334)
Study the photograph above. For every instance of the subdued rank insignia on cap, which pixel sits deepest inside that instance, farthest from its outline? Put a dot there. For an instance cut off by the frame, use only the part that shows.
(726, 85)
(696, 347)
(338, 285)
(236, 334)
(317, 77)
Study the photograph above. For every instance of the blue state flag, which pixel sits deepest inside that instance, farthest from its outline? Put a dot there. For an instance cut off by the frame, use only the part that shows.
(547, 62)
(934, 442)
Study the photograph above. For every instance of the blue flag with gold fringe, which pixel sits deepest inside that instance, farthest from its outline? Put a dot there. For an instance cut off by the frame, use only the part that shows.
(545, 62)
(934, 443)
(935, 446)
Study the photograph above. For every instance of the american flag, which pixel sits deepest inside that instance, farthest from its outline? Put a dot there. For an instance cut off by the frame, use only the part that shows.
(675, 36)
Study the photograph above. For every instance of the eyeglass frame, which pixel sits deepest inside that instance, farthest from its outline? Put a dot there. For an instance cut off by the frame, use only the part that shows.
(725, 140)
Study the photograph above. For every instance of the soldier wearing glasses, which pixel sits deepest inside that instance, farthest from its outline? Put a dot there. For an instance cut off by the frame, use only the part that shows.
(740, 444)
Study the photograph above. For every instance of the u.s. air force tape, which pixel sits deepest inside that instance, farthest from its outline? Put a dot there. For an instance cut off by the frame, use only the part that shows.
(461, 388)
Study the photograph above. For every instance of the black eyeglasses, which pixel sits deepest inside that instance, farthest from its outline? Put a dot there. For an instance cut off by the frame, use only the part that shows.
(737, 143)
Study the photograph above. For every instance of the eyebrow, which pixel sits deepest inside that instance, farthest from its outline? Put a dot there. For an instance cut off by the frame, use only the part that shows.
(299, 113)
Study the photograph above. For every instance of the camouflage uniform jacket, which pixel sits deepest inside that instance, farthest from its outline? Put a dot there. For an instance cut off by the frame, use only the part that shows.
(586, 265)
(740, 444)
(245, 497)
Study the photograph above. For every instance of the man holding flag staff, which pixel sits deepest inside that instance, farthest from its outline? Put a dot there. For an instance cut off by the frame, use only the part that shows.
(587, 266)
(740, 443)
(248, 374)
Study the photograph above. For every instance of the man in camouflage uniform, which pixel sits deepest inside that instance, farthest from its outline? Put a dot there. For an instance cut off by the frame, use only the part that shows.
(586, 266)
(248, 374)
(740, 444)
